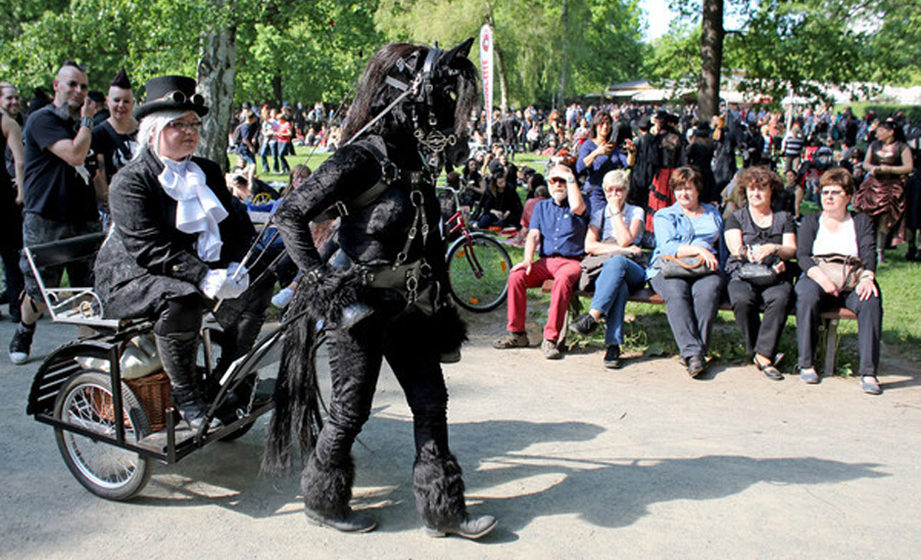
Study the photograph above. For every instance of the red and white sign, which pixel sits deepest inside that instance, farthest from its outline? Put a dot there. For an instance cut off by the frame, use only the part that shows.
(486, 46)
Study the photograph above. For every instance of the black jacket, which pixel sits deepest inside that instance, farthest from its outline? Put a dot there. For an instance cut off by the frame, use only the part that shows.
(866, 240)
(145, 258)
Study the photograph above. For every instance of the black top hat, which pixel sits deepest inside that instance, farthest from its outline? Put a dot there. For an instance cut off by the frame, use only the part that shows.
(661, 115)
(171, 93)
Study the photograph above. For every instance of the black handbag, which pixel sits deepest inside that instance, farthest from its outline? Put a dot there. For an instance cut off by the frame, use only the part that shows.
(758, 274)
(685, 267)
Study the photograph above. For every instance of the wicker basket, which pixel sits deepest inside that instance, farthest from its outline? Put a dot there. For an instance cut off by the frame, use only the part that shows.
(153, 392)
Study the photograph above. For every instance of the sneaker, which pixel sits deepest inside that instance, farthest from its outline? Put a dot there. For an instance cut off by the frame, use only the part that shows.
(21, 344)
(584, 325)
(612, 357)
(869, 385)
(550, 349)
(809, 375)
(282, 298)
(512, 340)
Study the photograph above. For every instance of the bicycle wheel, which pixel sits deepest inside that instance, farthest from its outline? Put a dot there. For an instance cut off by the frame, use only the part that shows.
(104, 469)
(478, 272)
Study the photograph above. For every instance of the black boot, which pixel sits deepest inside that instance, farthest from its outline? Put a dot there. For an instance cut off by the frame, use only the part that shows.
(178, 352)
(327, 490)
(439, 488)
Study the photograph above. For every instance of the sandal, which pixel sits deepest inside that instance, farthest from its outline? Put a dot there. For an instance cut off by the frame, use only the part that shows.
(768, 370)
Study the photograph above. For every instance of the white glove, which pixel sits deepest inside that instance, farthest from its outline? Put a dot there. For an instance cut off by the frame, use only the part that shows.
(236, 282)
(212, 282)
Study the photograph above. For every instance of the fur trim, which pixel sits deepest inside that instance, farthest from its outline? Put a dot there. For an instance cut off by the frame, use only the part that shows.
(439, 488)
(325, 300)
(328, 489)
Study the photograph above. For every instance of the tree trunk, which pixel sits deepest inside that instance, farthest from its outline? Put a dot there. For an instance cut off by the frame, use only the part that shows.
(711, 59)
(503, 97)
(276, 90)
(216, 73)
(564, 47)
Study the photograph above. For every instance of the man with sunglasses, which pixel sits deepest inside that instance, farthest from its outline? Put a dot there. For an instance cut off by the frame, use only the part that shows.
(60, 201)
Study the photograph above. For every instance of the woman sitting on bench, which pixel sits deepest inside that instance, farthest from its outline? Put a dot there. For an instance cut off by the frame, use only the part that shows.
(760, 242)
(613, 254)
(829, 244)
(689, 230)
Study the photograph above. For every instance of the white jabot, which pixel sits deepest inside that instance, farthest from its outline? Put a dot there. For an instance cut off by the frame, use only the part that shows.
(198, 210)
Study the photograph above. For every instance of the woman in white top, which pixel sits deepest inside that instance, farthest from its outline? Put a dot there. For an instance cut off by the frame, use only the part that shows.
(835, 231)
(614, 232)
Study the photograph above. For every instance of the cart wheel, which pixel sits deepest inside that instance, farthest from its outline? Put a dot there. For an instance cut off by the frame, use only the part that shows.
(104, 469)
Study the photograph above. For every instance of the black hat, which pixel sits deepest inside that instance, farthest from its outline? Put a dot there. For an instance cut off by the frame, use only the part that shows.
(121, 80)
(96, 96)
(702, 130)
(890, 123)
(171, 93)
(661, 115)
(643, 123)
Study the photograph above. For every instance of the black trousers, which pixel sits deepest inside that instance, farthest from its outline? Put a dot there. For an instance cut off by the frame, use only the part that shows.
(746, 299)
(811, 299)
(355, 361)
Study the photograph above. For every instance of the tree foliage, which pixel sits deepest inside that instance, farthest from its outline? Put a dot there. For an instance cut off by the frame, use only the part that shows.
(603, 39)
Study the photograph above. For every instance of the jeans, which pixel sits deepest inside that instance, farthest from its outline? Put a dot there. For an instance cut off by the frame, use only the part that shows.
(691, 306)
(281, 150)
(811, 298)
(619, 276)
(269, 147)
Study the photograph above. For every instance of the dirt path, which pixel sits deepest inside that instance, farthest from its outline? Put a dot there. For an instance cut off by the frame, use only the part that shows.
(576, 461)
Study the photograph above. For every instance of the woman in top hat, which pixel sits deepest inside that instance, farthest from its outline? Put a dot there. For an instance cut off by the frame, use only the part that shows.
(176, 241)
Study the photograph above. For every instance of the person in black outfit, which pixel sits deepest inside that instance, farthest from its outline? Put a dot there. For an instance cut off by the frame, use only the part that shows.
(384, 295)
(500, 205)
(755, 234)
(114, 139)
(59, 199)
(177, 243)
(11, 197)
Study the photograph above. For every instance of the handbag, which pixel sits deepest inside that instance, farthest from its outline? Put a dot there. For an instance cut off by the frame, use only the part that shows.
(685, 267)
(844, 271)
(758, 274)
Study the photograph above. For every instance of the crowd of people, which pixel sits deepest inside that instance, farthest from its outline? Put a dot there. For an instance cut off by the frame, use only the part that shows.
(646, 195)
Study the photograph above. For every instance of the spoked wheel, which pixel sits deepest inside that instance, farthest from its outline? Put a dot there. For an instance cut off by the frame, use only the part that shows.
(478, 272)
(104, 469)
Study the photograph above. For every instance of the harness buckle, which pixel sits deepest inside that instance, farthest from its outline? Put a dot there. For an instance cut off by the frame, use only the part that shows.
(341, 208)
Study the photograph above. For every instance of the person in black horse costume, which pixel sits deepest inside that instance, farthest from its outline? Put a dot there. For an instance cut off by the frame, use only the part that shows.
(384, 294)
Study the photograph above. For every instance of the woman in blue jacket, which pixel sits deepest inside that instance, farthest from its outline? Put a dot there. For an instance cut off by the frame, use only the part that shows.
(689, 228)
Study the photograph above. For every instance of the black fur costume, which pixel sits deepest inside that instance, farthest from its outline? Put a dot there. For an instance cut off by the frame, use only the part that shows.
(383, 241)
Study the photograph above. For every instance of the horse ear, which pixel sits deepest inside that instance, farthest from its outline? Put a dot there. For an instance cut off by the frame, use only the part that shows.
(462, 49)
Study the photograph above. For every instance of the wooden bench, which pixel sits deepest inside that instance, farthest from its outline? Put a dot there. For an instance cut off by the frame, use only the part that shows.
(830, 319)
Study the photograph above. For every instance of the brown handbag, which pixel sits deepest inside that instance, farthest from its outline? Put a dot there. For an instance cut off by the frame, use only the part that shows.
(843, 270)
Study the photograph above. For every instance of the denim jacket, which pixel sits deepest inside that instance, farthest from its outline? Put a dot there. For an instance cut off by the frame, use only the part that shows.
(673, 229)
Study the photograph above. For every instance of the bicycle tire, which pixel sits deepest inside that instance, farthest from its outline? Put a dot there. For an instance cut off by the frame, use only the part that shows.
(102, 468)
(483, 292)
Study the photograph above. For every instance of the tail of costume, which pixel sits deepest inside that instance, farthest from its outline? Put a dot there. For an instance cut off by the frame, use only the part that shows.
(297, 419)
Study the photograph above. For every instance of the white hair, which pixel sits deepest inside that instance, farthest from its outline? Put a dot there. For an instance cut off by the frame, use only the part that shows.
(150, 128)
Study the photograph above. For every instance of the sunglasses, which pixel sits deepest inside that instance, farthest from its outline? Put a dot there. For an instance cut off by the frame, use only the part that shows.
(75, 84)
(185, 126)
(832, 192)
(179, 97)
(556, 180)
